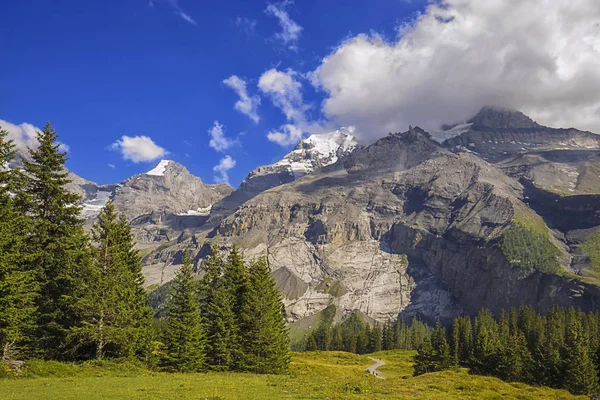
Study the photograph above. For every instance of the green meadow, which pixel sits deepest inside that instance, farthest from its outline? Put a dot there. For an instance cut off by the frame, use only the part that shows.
(316, 375)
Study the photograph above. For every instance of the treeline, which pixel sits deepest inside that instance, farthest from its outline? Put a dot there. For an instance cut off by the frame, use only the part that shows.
(559, 350)
(354, 335)
(69, 296)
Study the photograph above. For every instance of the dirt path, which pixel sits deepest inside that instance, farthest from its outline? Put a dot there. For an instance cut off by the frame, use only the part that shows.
(372, 369)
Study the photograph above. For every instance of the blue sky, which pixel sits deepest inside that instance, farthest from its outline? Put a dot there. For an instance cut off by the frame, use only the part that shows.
(101, 70)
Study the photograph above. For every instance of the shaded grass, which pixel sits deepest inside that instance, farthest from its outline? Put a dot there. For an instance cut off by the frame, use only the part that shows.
(316, 375)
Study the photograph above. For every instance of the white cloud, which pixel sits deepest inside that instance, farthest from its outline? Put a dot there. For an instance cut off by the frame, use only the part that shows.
(286, 94)
(246, 24)
(247, 105)
(539, 56)
(138, 149)
(182, 14)
(290, 30)
(25, 136)
(113, 166)
(221, 169)
(286, 135)
(218, 140)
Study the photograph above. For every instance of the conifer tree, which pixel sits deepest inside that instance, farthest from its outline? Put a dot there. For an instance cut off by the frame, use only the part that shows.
(337, 341)
(486, 349)
(18, 287)
(219, 319)
(441, 348)
(184, 335)
(110, 298)
(388, 336)
(425, 360)
(58, 244)
(235, 277)
(311, 342)
(580, 373)
(139, 314)
(375, 338)
(265, 341)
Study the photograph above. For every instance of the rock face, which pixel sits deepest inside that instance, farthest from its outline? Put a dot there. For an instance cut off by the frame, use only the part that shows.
(409, 225)
(311, 154)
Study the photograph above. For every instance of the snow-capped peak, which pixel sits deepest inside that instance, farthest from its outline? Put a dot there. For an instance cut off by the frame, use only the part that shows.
(159, 169)
(318, 150)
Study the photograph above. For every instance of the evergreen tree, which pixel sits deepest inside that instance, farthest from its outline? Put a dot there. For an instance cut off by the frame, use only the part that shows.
(184, 337)
(18, 287)
(425, 360)
(235, 277)
(486, 349)
(265, 341)
(375, 339)
(580, 374)
(337, 340)
(441, 348)
(110, 299)
(311, 342)
(388, 336)
(219, 319)
(58, 244)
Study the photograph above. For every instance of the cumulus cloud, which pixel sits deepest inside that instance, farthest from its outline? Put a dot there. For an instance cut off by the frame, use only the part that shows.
(285, 91)
(218, 140)
(286, 135)
(138, 149)
(24, 137)
(247, 105)
(222, 168)
(539, 56)
(290, 30)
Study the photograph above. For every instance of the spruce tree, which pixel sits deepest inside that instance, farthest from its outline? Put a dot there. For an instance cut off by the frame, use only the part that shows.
(388, 336)
(139, 316)
(579, 372)
(219, 319)
(110, 295)
(235, 278)
(265, 341)
(18, 286)
(184, 335)
(58, 244)
(425, 360)
(441, 348)
(311, 342)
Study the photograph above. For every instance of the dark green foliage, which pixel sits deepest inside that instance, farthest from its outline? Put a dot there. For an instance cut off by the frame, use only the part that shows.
(184, 336)
(219, 319)
(58, 244)
(425, 360)
(265, 341)
(526, 248)
(433, 353)
(311, 342)
(18, 286)
(580, 374)
(110, 299)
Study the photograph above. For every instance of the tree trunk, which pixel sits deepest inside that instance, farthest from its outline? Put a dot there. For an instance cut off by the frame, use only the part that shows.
(100, 343)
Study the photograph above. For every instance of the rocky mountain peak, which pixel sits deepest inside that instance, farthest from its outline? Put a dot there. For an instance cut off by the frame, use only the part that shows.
(501, 118)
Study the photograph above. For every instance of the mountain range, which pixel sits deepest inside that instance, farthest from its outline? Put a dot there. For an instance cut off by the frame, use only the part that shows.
(435, 224)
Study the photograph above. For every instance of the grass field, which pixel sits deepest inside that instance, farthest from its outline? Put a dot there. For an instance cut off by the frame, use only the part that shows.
(316, 375)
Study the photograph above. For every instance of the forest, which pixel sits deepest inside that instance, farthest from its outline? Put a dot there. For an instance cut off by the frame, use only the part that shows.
(67, 295)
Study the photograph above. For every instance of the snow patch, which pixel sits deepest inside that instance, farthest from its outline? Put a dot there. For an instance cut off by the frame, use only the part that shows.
(160, 168)
(200, 211)
(91, 208)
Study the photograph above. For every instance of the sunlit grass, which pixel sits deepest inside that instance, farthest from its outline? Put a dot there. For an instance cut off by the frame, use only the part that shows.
(317, 375)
